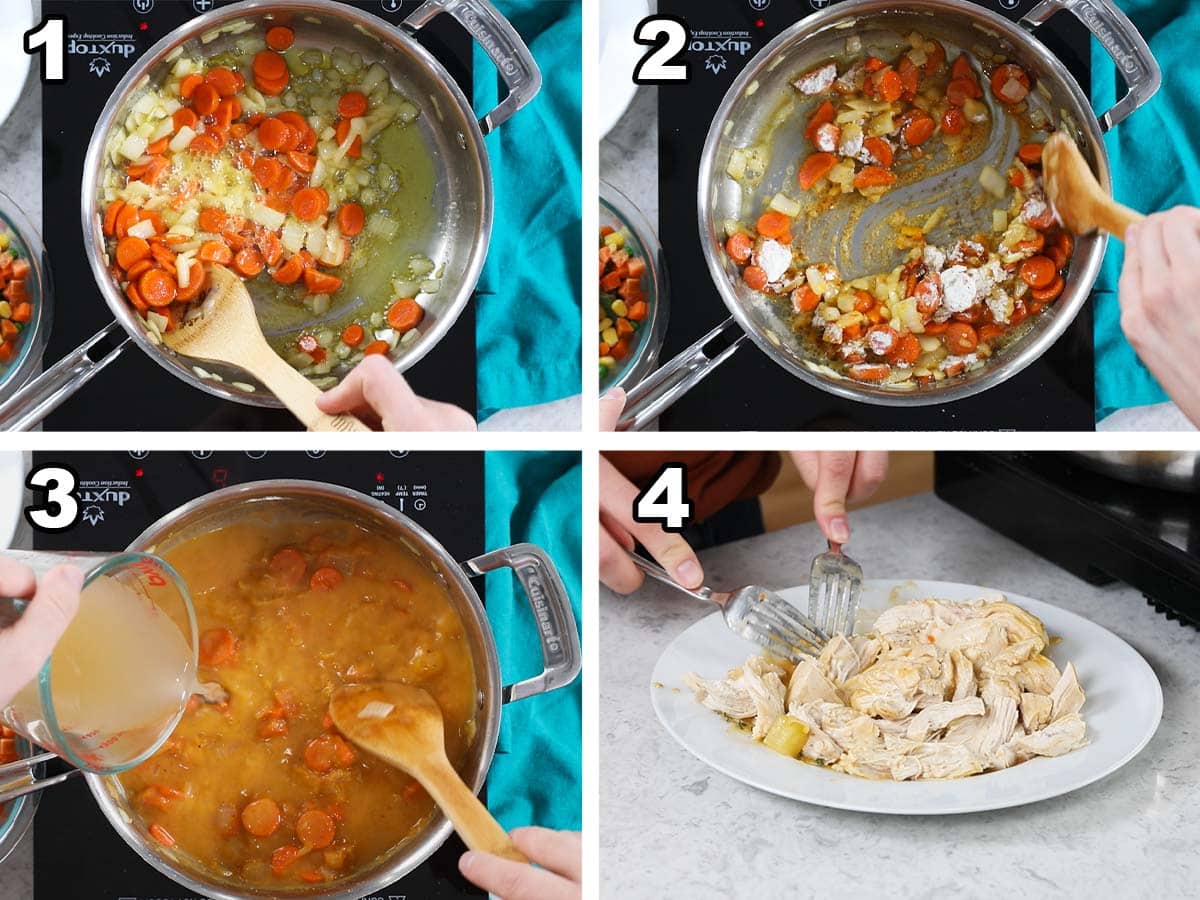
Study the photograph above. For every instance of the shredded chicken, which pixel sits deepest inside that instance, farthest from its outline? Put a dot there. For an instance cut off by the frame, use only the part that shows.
(939, 689)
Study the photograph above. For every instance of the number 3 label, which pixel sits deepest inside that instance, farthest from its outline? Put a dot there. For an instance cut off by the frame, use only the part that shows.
(668, 36)
(665, 502)
(58, 509)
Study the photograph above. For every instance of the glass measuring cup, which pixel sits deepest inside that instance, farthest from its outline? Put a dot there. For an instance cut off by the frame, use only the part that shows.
(120, 677)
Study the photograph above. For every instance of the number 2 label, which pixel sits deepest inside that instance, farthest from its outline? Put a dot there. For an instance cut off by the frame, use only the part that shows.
(668, 36)
(55, 507)
(665, 502)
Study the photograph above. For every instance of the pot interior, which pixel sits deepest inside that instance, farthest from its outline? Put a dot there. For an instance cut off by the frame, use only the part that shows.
(451, 227)
(260, 507)
(856, 234)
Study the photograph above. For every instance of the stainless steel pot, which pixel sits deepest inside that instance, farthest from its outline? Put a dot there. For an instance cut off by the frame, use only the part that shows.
(556, 631)
(463, 190)
(1175, 470)
(748, 112)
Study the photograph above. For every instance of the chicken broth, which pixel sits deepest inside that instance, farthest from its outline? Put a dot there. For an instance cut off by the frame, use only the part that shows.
(262, 789)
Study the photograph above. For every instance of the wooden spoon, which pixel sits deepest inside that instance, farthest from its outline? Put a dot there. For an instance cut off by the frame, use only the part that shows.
(227, 331)
(402, 725)
(1081, 204)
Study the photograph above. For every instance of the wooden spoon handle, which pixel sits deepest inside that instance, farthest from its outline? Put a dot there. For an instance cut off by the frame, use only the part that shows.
(1114, 218)
(474, 824)
(299, 395)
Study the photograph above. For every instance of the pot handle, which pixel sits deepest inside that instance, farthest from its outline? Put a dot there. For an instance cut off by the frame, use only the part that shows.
(500, 41)
(661, 388)
(36, 400)
(551, 609)
(1124, 43)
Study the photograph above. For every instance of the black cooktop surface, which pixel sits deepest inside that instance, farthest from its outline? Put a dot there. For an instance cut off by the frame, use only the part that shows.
(1095, 526)
(104, 39)
(749, 391)
(77, 854)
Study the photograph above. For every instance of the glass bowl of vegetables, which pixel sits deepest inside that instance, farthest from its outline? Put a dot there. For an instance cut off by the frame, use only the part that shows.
(633, 292)
(16, 815)
(25, 297)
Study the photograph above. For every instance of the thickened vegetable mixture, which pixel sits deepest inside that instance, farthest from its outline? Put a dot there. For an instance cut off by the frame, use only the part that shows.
(262, 788)
(301, 170)
(946, 309)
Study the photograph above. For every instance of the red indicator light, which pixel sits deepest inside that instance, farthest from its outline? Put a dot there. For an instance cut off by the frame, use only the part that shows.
(145, 26)
(138, 473)
(759, 24)
(379, 477)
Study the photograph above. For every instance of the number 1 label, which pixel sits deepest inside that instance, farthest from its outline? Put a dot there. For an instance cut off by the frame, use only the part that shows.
(48, 40)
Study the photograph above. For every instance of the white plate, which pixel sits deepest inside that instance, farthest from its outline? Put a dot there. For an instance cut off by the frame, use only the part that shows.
(1124, 705)
(618, 55)
(14, 62)
(12, 494)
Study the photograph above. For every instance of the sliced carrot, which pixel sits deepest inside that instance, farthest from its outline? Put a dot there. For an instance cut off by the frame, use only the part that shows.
(213, 219)
(404, 314)
(270, 247)
(110, 217)
(262, 817)
(227, 110)
(351, 219)
(273, 133)
(961, 338)
(376, 347)
(158, 147)
(910, 77)
(919, 129)
(351, 104)
(280, 37)
(873, 176)
(888, 85)
(870, 371)
(163, 256)
(157, 287)
(283, 858)
(185, 117)
(266, 171)
(805, 299)
(161, 835)
(341, 132)
(773, 224)
(134, 296)
(960, 90)
(196, 278)
(205, 100)
(271, 87)
(215, 252)
(288, 565)
(126, 219)
(880, 150)
(353, 334)
(990, 331)
(290, 272)
(814, 168)
(320, 283)
(906, 350)
(823, 115)
(270, 65)
(638, 310)
(1010, 84)
(320, 754)
(309, 204)
(222, 81)
(217, 646)
(1050, 292)
(1030, 154)
(188, 86)
(204, 143)
(739, 247)
(325, 578)
(935, 58)
(248, 262)
(302, 162)
(1038, 271)
(755, 278)
(130, 250)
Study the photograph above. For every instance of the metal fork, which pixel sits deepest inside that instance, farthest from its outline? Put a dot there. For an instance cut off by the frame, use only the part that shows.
(753, 613)
(834, 588)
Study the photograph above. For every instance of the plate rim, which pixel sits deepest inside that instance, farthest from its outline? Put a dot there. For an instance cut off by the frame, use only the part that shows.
(1008, 801)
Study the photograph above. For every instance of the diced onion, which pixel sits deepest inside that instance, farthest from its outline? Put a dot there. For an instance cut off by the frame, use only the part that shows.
(786, 205)
(143, 229)
(376, 709)
(992, 181)
(182, 139)
(133, 147)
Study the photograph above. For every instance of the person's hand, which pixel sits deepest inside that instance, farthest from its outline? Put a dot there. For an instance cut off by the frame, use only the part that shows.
(612, 404)
(1160, 301)
(837, 477)
(27, 644)
(559, 853)
(380, 396)
(619, 533)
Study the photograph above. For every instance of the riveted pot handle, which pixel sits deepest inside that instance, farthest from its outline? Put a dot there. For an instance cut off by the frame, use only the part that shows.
(551, 611)
(1124, 43)
(500, 41)
(655, 393)
(32, 403)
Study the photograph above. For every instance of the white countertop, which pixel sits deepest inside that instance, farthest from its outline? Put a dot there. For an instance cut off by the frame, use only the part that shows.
(673, 827)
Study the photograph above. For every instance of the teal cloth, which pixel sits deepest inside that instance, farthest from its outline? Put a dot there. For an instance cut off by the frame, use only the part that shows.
(536, 778)
(1155, 165)
(529, 323)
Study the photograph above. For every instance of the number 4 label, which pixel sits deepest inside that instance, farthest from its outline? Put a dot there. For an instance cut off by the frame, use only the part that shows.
(665, 502)
(668, 35)
(55, 507)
